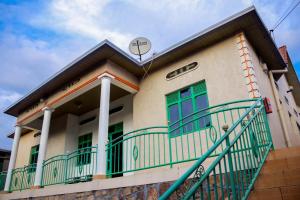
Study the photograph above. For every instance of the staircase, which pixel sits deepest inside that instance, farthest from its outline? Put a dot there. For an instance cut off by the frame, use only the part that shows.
(247, 166)
(279, 177)
(233, 171)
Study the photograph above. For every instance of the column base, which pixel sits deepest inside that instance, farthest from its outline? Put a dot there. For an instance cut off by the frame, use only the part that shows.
(98, 177)
(35, 187)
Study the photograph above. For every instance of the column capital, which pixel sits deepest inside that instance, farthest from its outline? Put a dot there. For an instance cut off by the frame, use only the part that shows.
(106, 75)
(48, 108)
(19, 125)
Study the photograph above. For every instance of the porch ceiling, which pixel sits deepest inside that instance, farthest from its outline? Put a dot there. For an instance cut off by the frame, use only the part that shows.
(88, 101)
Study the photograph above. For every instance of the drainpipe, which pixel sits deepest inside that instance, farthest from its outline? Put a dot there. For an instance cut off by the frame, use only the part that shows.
(279, 106)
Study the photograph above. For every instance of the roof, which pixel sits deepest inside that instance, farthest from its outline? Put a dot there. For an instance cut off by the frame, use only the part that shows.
(247, 21)
(4, 151)
(291, 75)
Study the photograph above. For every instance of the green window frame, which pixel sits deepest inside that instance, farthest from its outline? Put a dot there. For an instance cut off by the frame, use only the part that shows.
(34, 153)
(183, 106)
(33, 158)
(84, 142)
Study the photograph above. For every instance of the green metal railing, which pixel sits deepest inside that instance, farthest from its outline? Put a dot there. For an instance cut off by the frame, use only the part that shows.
(138, 150)
(231, 173)
(75, 167)
(22, 178)
(192, 136)
(199, 136)
(183, 141)
(2, 180)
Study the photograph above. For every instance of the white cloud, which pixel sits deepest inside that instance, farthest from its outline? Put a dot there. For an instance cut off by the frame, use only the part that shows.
(7, 98)
(27, 62)
(84, 18)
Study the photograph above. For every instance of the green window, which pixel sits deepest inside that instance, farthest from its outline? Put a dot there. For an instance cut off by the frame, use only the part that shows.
(84, 142)
(34, 154)
(183, 108)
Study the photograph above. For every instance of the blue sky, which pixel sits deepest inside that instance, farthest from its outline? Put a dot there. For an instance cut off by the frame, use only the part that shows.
(37, 38)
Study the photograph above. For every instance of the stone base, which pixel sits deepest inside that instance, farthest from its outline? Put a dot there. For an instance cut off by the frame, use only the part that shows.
(98, 177)
(35, 187)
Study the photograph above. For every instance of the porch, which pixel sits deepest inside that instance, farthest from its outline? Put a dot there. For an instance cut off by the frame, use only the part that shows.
(147, 150)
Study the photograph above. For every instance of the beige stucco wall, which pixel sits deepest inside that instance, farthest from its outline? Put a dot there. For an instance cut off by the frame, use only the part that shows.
(289, 108)
(219, 66)
(26, 142)
(266, 91)
(56, 140)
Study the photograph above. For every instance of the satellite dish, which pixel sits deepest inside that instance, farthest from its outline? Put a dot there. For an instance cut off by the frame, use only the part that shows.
(140, 46)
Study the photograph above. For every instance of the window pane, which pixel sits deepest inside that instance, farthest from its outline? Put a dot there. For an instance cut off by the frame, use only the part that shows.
(187, 109)
(185, 93)
(174, 116)
(84, 142)
(201, 103)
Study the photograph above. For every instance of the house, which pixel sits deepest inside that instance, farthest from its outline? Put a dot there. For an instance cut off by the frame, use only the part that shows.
(102, 123)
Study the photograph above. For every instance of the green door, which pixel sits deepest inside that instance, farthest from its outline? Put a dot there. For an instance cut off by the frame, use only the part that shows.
(115, 150)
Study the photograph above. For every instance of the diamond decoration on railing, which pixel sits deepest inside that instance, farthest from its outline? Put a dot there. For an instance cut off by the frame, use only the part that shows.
(213, 134)
(135, 153)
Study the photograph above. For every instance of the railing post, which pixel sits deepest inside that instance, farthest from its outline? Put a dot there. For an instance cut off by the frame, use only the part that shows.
(266, 123)
(170, 149)
(66, 167)
(231, 171)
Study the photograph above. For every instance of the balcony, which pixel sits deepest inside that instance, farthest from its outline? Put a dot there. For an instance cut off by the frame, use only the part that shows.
(145, 149)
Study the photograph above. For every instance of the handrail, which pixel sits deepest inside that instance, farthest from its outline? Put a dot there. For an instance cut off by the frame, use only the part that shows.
(25, 167)
(196, 165)
(203, 116)
(65, 156)
(76, 166)
(138, 130)
(215, 162)
(215, 106)
(134, 136)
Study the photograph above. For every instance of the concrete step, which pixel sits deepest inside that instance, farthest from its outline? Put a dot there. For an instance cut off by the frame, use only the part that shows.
(266, 194)
(282, 193)
(284, 153)
(277, 165)
(280, 176)
(287, 177)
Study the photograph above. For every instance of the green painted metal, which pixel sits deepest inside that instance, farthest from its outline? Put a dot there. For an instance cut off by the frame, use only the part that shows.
(138, 150)
(2, 180)
(231, 173)
(156, 147)
(22, 178)
(235, 155)
(77, 166)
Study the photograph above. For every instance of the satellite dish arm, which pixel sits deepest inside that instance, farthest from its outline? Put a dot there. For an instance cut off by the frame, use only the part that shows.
(138, 46)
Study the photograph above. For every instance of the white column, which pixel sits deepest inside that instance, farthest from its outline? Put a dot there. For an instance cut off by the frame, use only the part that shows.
(43, 146)
(13, 156)
(103, 125)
